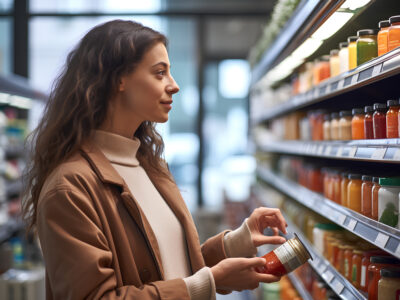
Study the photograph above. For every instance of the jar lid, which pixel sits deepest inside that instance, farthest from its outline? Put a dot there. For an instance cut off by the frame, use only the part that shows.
(344, 174)
(352, 39)
(354, 176)
(384, 24)
(334, 115)
(394, 19)
(343, 45)
(389, 181)
(327, 226)
(378, 106)
(375, 179)
(345, 113)
(384, 260)
(327, 117)
(334, 52)
(392, 102)
(366, 178)
(325, 58)
(368, 109)
(364, 32)
(357, 111)
(391, 272)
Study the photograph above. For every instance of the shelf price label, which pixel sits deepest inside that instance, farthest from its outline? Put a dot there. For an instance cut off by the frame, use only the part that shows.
(354, 79)
(338, 287)
(376, 70)
(328, 276)
(320, 150)
(340, 218)
(396, 155)
(397, 252)
(321, 268)
(352, 224)
(381, 240)
(339, 153)
(328, 150)
(379, 153)
(353, 151)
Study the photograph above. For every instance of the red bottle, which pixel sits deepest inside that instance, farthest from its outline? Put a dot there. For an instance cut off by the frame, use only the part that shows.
(379, 121)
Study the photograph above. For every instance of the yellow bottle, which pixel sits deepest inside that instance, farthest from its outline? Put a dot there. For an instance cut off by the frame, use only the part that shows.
(352, 51)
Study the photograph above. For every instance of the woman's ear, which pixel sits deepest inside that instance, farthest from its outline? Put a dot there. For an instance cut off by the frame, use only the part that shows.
(121, 85)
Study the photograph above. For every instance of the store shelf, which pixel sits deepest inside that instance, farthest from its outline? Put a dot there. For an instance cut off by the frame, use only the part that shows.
(378, 69)
(19, 86)
(304, 294)
(381, 235)
(384, 150)
(9, 229)
(305, 19)
(338, 283)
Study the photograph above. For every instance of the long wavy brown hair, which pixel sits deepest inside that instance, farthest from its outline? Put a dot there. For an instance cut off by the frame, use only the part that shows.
(79, 101)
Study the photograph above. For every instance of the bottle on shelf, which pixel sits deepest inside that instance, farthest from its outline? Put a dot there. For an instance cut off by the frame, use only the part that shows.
(354, 192)
(382, 37)
(334, 126)
(374, 273)
(389, 284)
(352, 40)
(392, 119)
(345, 125)
(344, 57)
(366, 195)
(388, 201)
(368, 123)
(367, 47)
(334, 63)
(357, 124)
(375, 197)
(394, 33)
(379, 121)
(327, 127)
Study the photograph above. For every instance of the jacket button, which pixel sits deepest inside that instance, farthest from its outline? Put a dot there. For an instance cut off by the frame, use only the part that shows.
(145, 275)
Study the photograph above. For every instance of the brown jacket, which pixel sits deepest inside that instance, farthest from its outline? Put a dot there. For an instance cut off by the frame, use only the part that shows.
(96, 241)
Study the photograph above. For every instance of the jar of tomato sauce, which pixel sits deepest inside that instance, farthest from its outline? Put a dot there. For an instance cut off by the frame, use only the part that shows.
(389, 284)
(356, 267)
(366, 195)
(375, 198)
(394, 33)
(392, 119)
(374, 273)
(354, 192)
(383, 37)
(343, 188)
(286, 258)
(368, 124)
(357, 124)
(345, 125)
(365, 262)
(379, 120)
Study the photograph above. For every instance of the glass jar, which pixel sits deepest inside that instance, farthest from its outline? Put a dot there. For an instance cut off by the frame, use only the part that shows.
(334, 126)
(354, 192)
(345, 125)
(365, 262)
(327, 127)
(382, 37)
(394, 33)
(344, 57)
(366, 195)
(374, 273)
(375, 198)
(315, 182)
(389, 284)
(336, 180)
(340, 258)
(352, 41)
(356, 268)
(379, 121)
(343, 189)
(357, 124)
(392, 119)
(367, 47)
(334, 63)
(319, 125)
(320, 232)
(388, 198)
(368, 123)
(348, 262)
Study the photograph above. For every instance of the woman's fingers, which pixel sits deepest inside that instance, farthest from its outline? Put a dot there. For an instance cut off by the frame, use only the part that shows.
(263, 239)
(264, 212)
(256, 262)
(267, 278)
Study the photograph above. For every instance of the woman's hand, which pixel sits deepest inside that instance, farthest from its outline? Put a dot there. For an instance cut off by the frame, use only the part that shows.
(237, 274)
(262, 218)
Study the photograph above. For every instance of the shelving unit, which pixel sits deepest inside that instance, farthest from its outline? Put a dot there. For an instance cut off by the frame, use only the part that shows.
(385, 150)
(381, 235)
(338, 283)
(378, 69)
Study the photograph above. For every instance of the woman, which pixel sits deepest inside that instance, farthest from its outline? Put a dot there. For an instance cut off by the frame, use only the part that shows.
(110, 218)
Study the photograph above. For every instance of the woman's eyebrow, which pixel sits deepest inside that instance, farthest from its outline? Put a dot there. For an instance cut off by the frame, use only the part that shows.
(164, 64)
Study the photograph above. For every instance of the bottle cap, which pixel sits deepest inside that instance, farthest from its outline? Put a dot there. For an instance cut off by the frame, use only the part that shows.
(389, 181)
(368, 109)
(391, 272)
(343, 45)
(334, 115)
(352, 39)
(384, 24)
(394, 19)
(345, 113)
(379, 106)
(364, 32)
(334, 52)
(392, 103)
(384, 260)
(355, 176)
(366, 178)
(357, 111)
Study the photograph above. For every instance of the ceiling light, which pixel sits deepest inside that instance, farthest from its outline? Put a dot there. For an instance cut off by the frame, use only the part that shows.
(336, 21)
(354, 4)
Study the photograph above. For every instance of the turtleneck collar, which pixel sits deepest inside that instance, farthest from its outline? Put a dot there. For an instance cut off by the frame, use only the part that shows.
(117, 148)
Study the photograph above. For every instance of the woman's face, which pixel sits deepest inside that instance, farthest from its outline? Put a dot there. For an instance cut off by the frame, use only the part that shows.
(146, 93)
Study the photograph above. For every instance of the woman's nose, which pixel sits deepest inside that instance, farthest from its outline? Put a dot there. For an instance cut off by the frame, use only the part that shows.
(173, 88)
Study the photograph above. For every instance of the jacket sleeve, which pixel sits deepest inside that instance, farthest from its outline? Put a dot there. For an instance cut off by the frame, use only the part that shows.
(78, 259)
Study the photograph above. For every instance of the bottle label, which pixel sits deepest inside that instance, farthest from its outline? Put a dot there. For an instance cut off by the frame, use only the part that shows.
(346, 268)
(354, 273)
(287, 257)
(363, 275)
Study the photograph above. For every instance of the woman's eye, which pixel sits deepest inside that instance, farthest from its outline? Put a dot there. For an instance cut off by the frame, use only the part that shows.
(161, 73)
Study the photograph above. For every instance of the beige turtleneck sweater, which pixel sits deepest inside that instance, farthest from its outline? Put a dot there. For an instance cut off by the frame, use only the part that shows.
(121, 152)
